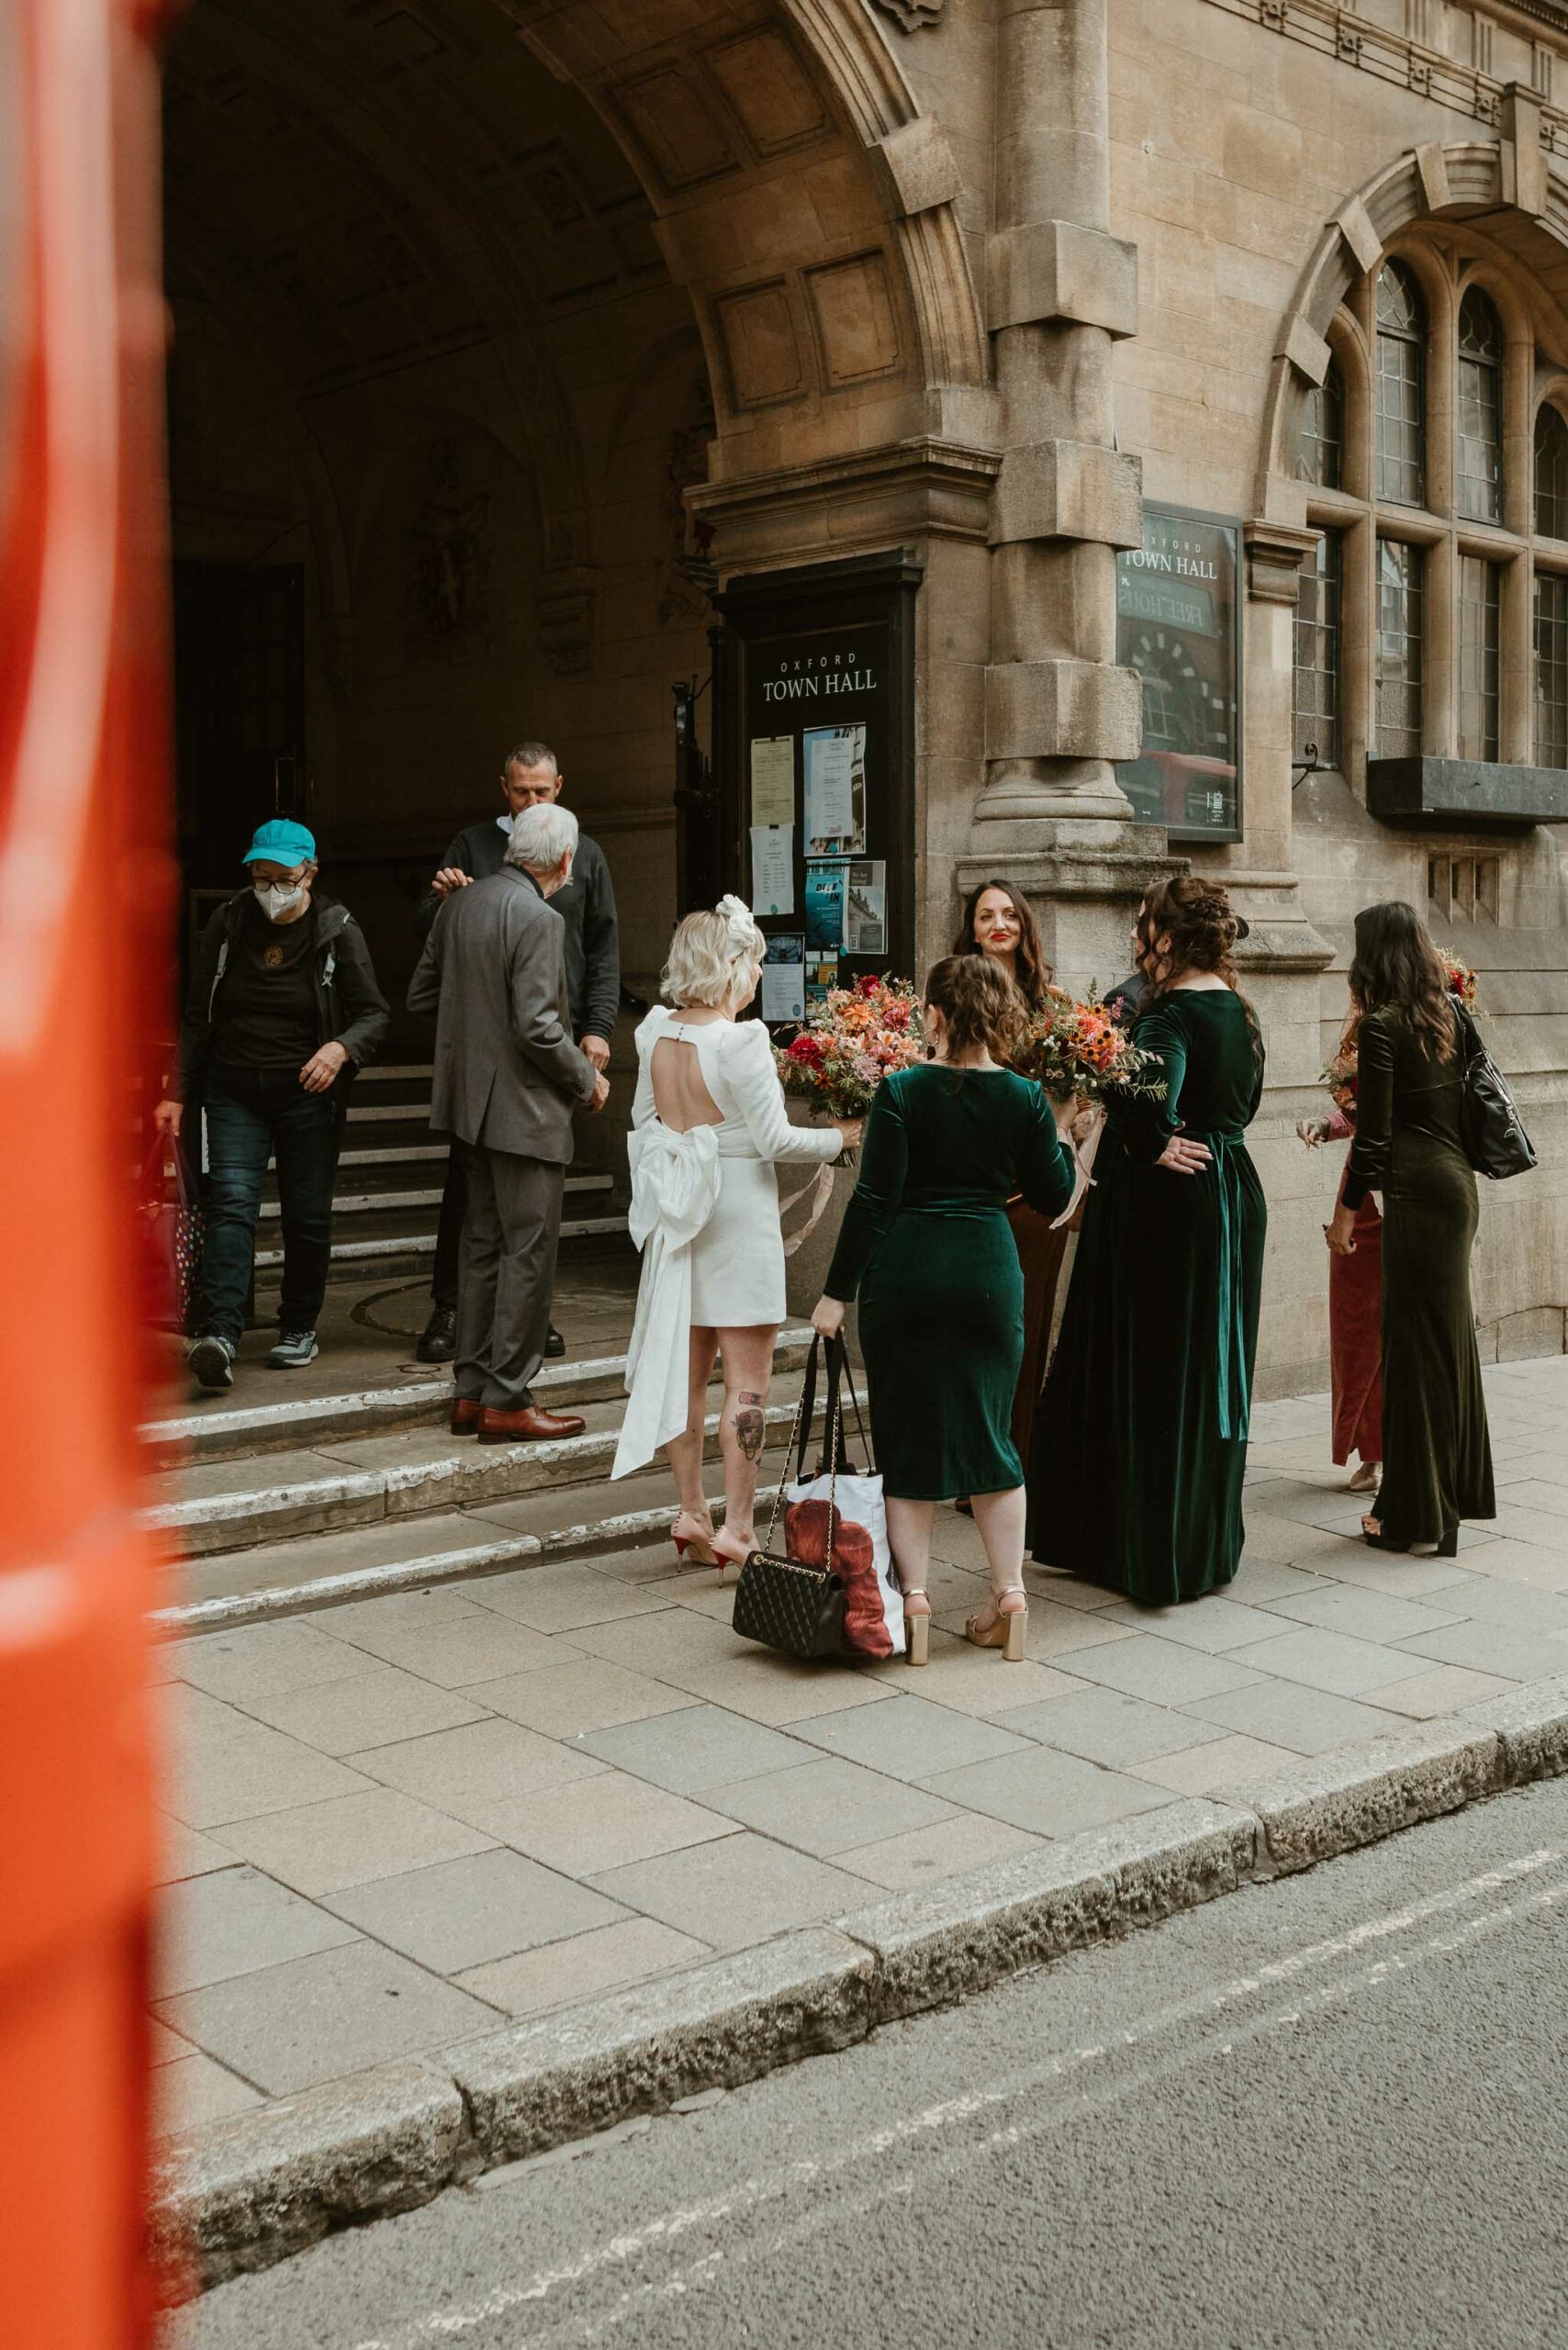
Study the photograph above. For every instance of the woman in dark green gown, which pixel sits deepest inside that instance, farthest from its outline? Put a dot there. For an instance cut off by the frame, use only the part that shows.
(1437, 1454)
(927, 1243)
(1140, 1442)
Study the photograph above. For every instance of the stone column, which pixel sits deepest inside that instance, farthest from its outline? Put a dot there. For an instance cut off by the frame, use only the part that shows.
(1061, 288)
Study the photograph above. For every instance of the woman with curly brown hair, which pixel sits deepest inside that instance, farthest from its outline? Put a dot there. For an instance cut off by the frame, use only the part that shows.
(1437, 1455)
(998, 922)
(1140, 1444)
(924, 1242)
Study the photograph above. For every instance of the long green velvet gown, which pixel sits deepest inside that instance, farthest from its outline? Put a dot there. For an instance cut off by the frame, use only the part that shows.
(1437, 1453)
(926, 1242)
(1141, 1441)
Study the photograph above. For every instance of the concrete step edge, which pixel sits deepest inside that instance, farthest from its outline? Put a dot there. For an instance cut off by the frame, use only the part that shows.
(245, 2193)
(381, 1406)
(374, 1203)
(259, 1514)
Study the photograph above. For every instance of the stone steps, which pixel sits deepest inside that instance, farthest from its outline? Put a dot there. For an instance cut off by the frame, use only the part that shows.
(272, 1475)
(218, 1432)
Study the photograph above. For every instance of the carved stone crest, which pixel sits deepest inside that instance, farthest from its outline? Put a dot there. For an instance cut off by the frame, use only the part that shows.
(909, 14)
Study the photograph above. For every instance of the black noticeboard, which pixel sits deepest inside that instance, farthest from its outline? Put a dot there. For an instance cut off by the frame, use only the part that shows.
(814, 746)
(1179, 625)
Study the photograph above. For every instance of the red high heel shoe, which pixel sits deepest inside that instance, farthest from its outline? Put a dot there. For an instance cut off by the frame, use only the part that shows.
(701, 1543)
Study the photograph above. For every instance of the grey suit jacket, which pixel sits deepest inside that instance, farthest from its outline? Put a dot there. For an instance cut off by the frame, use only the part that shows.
(494, 972)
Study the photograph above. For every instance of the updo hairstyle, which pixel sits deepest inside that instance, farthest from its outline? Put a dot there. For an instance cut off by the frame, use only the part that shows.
(1195, 914)
(711, 958)
(980, 1004)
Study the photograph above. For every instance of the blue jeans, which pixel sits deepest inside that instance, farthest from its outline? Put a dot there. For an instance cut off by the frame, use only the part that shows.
(250, 1114)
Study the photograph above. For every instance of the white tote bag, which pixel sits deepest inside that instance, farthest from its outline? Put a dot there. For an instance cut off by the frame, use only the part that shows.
(846, 1495)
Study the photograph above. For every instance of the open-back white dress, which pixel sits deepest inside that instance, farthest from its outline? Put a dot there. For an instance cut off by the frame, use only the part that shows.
(705, 1215)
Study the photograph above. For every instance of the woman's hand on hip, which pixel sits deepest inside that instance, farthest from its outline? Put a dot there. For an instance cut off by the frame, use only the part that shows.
(1184, 1158)
(827, 1316)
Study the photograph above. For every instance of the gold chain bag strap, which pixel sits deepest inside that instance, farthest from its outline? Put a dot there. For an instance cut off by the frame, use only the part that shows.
(782, 1602)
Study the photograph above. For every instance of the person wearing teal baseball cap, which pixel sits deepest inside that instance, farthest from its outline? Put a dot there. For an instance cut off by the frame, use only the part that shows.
(283, 1011)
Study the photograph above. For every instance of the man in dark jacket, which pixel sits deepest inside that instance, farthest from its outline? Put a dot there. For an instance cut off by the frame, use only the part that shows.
(530, 777)
(284, 1009)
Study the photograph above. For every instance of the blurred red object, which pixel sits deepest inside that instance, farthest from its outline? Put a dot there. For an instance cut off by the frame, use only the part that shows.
(86, 896)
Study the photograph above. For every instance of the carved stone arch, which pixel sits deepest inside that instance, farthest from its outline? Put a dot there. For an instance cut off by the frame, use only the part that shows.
(802, 198)
(1468, 186)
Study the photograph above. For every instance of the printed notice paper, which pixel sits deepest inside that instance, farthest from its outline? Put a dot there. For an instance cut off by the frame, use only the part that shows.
(773, 869)
(825, 907)
(821, 976)
(772, 779)
(784, 977)
(866, 908)
(836, 788)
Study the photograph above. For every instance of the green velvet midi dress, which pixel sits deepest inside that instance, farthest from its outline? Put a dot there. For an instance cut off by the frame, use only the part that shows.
(1141, 1441)
(927, 1243)
(1437, 1453)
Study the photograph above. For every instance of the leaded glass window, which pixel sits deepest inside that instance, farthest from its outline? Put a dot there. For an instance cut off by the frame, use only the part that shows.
(1551, 670)
(1400, 582)
(1479, 409)
(1551, 473)
(1321, 457)
(1318, 649)
(1479, 604)
(1400, 386)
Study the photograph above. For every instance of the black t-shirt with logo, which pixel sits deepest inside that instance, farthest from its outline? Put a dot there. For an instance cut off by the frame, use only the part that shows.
(265, 1014)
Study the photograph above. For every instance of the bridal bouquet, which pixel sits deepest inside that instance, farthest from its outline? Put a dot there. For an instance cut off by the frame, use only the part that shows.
(1078, 1050)
(860, 1035)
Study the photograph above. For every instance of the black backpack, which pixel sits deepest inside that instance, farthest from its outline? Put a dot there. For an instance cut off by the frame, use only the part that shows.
(1490, 1131)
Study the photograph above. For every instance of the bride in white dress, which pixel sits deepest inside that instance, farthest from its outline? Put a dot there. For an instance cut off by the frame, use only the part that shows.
(708, 1126)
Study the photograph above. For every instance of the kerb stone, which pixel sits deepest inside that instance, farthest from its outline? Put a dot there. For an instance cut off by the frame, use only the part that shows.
(1339, 1802)
(709, 2027)
(243, 2193)
(1532, 1726)
(943, 1945)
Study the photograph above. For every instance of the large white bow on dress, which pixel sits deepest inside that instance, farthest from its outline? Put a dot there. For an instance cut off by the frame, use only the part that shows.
(674, 1184)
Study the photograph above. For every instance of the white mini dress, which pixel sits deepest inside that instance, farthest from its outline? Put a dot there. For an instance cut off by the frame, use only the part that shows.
(705, 1215)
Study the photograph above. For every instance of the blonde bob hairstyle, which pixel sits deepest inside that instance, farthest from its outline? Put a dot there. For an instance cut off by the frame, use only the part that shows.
(712, 957)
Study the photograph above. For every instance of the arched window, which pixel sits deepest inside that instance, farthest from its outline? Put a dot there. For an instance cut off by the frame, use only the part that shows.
(1400, 386)
(1479, 409)
(1551, 473)
(1321, 460)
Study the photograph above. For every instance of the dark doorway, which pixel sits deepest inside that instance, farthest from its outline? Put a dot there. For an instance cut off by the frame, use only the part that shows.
(238, 716)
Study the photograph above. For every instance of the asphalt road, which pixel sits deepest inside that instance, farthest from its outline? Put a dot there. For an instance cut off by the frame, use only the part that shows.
(1333, 2111)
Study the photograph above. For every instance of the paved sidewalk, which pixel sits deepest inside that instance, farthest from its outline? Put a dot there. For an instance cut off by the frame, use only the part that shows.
(400, 1822)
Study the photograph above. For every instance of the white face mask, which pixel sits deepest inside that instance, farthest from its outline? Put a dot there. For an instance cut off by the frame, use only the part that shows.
(276, 899)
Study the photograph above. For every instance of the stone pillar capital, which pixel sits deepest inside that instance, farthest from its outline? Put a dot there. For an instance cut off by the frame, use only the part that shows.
(1275, 552)
(1045, 271)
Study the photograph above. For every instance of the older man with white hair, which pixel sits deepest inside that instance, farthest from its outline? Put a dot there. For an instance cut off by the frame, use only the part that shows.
(508, 1078)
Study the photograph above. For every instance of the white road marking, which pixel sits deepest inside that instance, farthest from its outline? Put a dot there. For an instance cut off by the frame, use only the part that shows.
(933, 2120)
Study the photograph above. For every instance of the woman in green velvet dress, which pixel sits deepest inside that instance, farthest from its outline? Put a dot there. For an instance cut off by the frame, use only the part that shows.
(927, 1243)
(1437, 1454)
(1140, 1442)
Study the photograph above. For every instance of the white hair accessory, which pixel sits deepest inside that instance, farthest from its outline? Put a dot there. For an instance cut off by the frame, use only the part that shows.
(744, 939)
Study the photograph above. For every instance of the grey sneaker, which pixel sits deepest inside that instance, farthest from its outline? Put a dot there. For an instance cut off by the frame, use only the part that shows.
(294, 1350)
(211, 1360)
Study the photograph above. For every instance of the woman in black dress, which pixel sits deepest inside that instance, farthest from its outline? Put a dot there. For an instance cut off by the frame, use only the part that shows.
(1437, 1455)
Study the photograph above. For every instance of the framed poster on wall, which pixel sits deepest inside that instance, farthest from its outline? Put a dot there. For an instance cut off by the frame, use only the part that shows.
(814, 743)
(1179, 625)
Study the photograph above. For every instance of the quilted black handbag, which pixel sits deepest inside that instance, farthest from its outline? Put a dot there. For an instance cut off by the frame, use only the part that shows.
(1490, 1130)
(781, 1602)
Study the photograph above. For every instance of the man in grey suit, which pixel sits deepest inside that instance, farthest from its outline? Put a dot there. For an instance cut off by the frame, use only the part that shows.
(508, 1078)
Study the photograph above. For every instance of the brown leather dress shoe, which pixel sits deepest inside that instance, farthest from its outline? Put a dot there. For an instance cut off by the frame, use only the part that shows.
(465, 1413)
(529, 1426)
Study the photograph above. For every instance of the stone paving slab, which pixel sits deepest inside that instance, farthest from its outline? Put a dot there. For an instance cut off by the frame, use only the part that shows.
(395, 1823)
